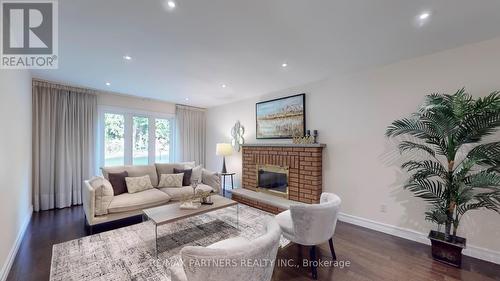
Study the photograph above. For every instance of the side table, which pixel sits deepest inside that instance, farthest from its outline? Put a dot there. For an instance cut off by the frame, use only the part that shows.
(224, 175)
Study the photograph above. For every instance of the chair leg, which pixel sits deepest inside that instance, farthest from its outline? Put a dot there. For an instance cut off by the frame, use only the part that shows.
(314, 263)
(332, 250)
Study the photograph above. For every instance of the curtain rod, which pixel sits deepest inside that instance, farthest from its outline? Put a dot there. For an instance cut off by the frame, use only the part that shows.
(97, 91)
(39, 81)
(190, 107)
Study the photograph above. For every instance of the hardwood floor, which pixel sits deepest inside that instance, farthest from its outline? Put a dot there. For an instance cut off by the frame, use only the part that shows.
(372, 255)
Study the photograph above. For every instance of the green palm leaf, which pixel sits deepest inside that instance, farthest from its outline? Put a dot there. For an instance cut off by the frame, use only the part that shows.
(408, 146)
(483, 179)
(485, 154)
(429, 190)
(427, 167)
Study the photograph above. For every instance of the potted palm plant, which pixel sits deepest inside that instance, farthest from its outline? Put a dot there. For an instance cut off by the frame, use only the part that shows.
(452, 166)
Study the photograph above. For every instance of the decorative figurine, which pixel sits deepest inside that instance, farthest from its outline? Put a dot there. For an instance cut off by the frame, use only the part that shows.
(237, 136)
(303, 140)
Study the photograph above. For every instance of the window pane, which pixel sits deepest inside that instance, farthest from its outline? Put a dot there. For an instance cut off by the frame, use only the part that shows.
(162, 142)
(140, 140)
(114, 152)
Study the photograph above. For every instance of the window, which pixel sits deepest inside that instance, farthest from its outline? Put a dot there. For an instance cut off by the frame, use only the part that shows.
(140, 139)
(162, 141)
(134, 138)
(114, 153)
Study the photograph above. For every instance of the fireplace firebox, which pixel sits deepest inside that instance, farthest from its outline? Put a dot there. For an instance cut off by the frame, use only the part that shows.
(273, 179)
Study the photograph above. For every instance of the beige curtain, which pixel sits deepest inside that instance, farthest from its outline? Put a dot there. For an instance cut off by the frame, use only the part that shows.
(190, 134)
(64, 132)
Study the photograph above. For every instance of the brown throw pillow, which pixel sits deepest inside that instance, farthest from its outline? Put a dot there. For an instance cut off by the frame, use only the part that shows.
(186, 180)
(117, 180)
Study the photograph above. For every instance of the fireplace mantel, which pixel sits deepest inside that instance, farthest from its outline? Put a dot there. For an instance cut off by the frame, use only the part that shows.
(283, 145)
(304, 163)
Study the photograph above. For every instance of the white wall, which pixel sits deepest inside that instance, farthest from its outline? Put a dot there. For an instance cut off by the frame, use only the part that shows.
(352, 113)
(135, 103)
(15, 162)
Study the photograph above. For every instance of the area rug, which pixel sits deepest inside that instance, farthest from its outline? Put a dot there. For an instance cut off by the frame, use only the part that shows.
(129, 253)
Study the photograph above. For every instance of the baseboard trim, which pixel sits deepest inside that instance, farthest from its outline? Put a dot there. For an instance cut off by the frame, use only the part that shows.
(409, 234)
(13, 251)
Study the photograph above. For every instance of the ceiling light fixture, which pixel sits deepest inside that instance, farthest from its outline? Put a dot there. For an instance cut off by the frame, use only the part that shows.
(284, 64)
(171, 4)
(127, 57)
(424, 16)
(186, 99)
(108, 84)
(223, 85)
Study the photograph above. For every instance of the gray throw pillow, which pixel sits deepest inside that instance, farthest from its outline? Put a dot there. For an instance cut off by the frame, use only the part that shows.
(117, 180)
(186, 181)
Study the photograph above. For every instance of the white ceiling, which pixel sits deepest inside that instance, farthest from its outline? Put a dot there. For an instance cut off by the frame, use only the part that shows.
(191, 51)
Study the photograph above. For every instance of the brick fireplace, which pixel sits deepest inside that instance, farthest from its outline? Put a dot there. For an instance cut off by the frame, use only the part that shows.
(304, 166)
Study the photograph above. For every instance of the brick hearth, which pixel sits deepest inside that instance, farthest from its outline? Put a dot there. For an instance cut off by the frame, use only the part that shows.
(305, 170)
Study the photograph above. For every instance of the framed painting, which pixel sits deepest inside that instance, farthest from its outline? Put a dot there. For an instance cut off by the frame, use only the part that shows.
(281, 118)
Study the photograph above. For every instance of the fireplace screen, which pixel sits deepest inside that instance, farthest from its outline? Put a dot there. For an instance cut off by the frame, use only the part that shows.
(273, 179)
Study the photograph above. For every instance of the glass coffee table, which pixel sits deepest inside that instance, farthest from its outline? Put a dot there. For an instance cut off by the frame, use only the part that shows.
(172, 212)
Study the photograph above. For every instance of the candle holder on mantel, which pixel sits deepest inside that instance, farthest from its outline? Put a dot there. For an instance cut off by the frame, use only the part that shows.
(303, 140)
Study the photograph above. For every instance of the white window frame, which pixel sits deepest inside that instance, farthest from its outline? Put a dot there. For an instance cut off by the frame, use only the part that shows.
(128, 114)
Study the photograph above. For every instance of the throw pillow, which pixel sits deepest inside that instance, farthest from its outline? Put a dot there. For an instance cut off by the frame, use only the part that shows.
(168, 168)
(117, 180)
(171, 180)
(186, 181)
(196, 174)
(103, 195)
(211, 178)
(138, 184)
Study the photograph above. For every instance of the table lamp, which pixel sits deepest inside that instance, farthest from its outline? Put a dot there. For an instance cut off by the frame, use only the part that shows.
(224, 149)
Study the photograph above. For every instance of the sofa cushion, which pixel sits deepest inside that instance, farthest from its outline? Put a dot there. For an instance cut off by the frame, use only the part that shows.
(133, 171)
(196, 174)
(118, 183)
(170, 180)
(186, 179)
(211, 178)
(178, 193)
(136, 201)
(103, 194)
(168, 168)
(138, 184)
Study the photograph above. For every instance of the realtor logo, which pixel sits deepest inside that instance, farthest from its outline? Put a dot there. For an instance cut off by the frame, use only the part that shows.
(29, 35)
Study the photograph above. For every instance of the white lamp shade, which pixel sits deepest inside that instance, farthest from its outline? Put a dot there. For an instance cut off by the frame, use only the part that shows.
(224, 149)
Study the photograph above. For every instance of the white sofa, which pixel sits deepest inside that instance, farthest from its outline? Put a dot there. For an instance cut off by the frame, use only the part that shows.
(131, 204)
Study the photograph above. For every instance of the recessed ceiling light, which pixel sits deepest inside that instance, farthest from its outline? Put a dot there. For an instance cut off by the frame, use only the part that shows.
(424, 16)
(186, 99)
(284, 64)
(223, 85)
(127, 57)
(108, 84)
(171, 4)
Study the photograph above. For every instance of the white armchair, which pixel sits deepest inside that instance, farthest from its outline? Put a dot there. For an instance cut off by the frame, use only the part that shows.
(232, 259)
(311, 225)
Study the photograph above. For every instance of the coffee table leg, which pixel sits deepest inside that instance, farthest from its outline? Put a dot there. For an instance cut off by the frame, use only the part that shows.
(238, 215)
(156, 240)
